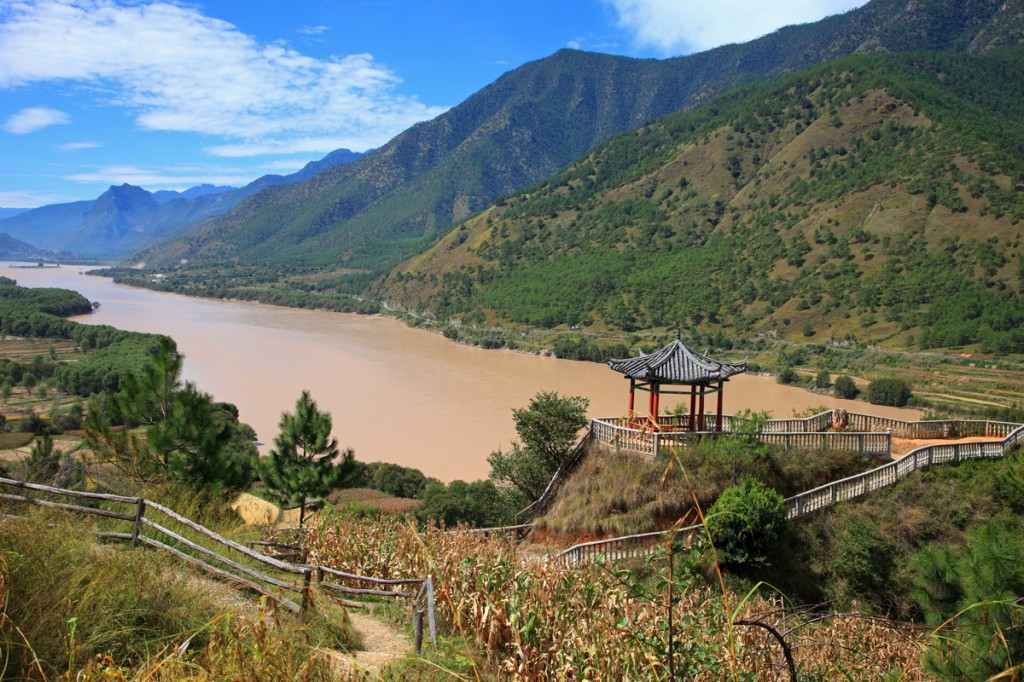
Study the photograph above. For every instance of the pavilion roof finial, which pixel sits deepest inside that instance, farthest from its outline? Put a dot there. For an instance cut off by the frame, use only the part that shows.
(679, 335)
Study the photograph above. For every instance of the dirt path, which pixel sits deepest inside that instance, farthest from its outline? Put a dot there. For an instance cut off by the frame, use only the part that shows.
(382, 644)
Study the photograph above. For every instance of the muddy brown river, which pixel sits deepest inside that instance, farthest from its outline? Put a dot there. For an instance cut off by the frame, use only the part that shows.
(396, 394)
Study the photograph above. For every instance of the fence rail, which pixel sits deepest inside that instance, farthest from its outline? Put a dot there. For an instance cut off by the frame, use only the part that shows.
(638, 546)
(152, 526)
(542, 503)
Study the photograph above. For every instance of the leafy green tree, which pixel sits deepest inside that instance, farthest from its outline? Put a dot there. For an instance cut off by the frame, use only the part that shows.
(302, 463)
(479, 503)
(788, 375)
(845, 388)
(548, 429)
(746, 522)
(889, 391)
(397, 480)
(823, 379)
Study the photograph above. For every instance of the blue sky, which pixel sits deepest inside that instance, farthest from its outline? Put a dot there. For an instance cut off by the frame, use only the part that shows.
(167, 95)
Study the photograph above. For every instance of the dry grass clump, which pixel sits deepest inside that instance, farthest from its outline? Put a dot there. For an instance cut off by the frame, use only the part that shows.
(544, 621)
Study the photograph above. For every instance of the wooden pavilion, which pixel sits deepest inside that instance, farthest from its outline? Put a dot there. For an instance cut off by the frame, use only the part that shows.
(675, 365)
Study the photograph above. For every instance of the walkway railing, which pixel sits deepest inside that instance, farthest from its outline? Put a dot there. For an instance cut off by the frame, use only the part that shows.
(543, 503)
(802, 504)
(887, 474)
(804, 434)
(148, 523)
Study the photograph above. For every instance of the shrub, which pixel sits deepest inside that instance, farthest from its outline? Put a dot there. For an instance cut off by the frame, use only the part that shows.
(845, 388)
(823, 380)
(787, 376)
(890, 391)
(746, 522)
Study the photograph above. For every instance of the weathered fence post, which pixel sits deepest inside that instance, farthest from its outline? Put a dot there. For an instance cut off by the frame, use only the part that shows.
(417, 628)
(430, 610)
(140, 509)
(306, 577)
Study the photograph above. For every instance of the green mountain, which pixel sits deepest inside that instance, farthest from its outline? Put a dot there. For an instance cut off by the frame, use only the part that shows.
(528, 124)
(874, 196)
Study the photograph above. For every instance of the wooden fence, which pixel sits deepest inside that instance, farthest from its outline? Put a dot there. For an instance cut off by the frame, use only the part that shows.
(638, 546)
(145, 522)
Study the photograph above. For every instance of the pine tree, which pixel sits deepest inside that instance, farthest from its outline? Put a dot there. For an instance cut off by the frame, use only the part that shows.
(302, 463)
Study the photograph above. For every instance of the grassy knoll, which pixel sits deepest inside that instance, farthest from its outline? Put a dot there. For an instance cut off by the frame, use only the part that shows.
(618, 494)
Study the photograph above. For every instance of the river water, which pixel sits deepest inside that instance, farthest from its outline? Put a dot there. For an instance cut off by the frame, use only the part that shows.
(396, 394)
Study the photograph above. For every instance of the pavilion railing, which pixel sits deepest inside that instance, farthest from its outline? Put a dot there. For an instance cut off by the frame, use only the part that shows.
(801, 434)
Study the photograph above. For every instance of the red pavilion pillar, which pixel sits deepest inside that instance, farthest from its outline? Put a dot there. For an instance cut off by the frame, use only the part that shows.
(700, 415)
(718, 414)
(632, 398)
(693, 408)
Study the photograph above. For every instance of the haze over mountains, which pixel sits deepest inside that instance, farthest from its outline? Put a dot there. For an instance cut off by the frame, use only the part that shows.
(531, 122)
(126, 218)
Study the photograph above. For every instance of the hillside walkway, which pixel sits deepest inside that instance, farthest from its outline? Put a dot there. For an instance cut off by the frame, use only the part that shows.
(902, 446)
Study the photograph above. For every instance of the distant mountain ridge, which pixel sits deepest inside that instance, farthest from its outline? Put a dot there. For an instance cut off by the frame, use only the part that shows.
(531, 122)
(127, 218)
(13, 249)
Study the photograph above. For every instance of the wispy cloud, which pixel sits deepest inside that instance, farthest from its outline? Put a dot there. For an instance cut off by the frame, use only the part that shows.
(682, 26)
(77, 146)
(313, 30)
(163, 178)
(35, 118)
(180, 70)
(30, 199)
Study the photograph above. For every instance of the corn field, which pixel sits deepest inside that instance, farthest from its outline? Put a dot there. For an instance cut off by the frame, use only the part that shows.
(543, 621)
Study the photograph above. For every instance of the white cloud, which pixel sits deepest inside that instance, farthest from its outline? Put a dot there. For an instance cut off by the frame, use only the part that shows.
(30, 199)
(179, 70)
(164, 178)
(683, 26)
(35, 118)
(313, 30)
(77, 146)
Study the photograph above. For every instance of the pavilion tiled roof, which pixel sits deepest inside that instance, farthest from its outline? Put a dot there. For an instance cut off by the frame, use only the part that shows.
(677, 364)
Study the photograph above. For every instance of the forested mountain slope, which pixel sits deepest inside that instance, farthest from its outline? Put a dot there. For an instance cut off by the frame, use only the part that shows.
(878, 196)
(528, 124)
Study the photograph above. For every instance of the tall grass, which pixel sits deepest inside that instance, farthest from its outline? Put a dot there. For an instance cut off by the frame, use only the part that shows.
(70, 599)
(89, 611)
